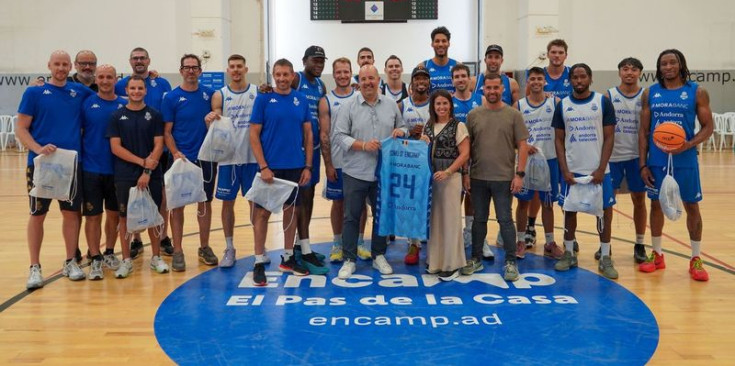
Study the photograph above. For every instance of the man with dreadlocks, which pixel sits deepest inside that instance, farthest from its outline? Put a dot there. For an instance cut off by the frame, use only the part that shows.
(674, 99)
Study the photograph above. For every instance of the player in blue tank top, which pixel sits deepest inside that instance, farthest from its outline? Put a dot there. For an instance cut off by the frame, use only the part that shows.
(157, 87)
(493, 64)
(308, 83)
(49, 117)
(558, 81)
(97, 170)
(463, 99)
(440, 66)
(674, 99)
(184, 110)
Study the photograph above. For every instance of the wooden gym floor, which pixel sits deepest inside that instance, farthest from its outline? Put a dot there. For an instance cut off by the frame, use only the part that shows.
(112, 320)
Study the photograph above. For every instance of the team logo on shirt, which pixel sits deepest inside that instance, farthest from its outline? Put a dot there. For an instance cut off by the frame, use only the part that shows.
(638, 103)
(182, 99)
(148, 116)
(123, 118)
(657, 95)
(73, 93)
(566, 82)
(251, 96)
(684, 95)
(531, 139)
(526, 111)
(119, 105)
(617, 100)
(304, 86)
(154, 83)
(228, 99)
(570, 109)
(432, 69)
(296, 101)
(46, 92)
(409, 109)
(336, 104)
(273, 100)
(594, 107)
(572, 139)
(548, 109)
(205, 96)
(94, 106)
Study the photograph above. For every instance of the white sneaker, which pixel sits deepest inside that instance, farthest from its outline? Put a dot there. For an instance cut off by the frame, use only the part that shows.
(348, 268)
(72, 270)
(381, 264)
(111, 261)
(126, 268)
(158, 265)
(35, 278)
(487, 253)
(95, 270)
(266, 259)
(467, 236)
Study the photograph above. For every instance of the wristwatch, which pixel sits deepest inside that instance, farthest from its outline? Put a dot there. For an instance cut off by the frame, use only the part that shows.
(147, 171)
(520, 173)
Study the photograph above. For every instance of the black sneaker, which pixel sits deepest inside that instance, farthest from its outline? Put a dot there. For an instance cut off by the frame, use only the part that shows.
(167, 248)
(576, 246)
(530, 237)
(639, 253)
(259, 275)
(313, 265)
(136, 248)
(448, 275)
(292, 266)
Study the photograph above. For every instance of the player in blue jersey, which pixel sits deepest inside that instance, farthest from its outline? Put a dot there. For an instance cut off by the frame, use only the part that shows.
(440, 66)
(538, 112)
(558, 80)
(493, 64)
(136, 140)
(624, 162)
(584, 124)
(365, 56)
(184, 110)
(97, 172)
(308, 82)
(332, 153)
(394, 87)
(49, 117)
(156, 88)
(280, 136)
(674, 99)
(235, 101)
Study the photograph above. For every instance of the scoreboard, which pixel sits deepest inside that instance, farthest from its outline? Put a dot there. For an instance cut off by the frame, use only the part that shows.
(374, 11)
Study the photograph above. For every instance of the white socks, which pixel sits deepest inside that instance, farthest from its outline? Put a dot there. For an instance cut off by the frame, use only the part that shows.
(639, 238)
(259, 258)
(228, 241)
(549, 237)
(521, 236)
(569, 245)
(656, 242)
(604, 249)
(305, 246)
(696, 245)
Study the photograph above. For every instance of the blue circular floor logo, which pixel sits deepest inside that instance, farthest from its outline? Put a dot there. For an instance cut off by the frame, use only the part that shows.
(409, 317)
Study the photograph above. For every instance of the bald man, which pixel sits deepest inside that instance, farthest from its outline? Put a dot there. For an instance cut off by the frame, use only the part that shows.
(50, 117)
(360, 126)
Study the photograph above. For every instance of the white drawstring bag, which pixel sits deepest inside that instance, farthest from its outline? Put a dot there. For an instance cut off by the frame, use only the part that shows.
(584, 196)
(538, 177)
(669, 195)
(219, 143)
(271, 196)
(184, 184)
(54, 174)
(142, 211)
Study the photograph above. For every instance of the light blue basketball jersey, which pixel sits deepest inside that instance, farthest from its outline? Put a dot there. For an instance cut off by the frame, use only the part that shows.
(404, 188)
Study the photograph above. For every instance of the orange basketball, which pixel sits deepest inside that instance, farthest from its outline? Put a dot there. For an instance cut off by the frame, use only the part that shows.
(669, 136)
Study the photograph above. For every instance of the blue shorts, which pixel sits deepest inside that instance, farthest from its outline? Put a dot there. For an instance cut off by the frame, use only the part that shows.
(527, 195)
(630, 171)
(316, 163)
(234, 178)
(687, 178)
(333, 191)
(608, 194)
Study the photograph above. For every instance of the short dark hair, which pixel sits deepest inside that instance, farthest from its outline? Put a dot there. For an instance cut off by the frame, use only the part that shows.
(365, 49)
(441, 30)
(683, 69)
(190, 55)
(135, 77)
(580, 65)
(393, 57)
(536, 70)
(557, 42)
(630, 61)
(139, 49)
(283, 62)
(489, 76)
(237, 57)
(459, 67)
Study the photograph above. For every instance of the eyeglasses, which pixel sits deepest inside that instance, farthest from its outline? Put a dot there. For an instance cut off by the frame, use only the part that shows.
(190, 68)
(139, 58)
(87, 64)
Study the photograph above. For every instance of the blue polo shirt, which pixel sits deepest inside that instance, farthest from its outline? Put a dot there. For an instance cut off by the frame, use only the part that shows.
(282, 137)
(186, 110)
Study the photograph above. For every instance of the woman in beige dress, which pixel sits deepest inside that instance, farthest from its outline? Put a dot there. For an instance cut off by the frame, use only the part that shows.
(450, 152)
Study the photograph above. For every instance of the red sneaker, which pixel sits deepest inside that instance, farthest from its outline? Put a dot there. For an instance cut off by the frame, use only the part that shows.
(552, 250)
(412, 257)
(697, 271)
(655, 261)
(520, 249)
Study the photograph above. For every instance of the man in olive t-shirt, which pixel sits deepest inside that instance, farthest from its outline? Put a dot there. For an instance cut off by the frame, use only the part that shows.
(496, 131)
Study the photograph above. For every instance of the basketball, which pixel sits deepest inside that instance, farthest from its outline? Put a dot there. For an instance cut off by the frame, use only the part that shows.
(669, 136)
